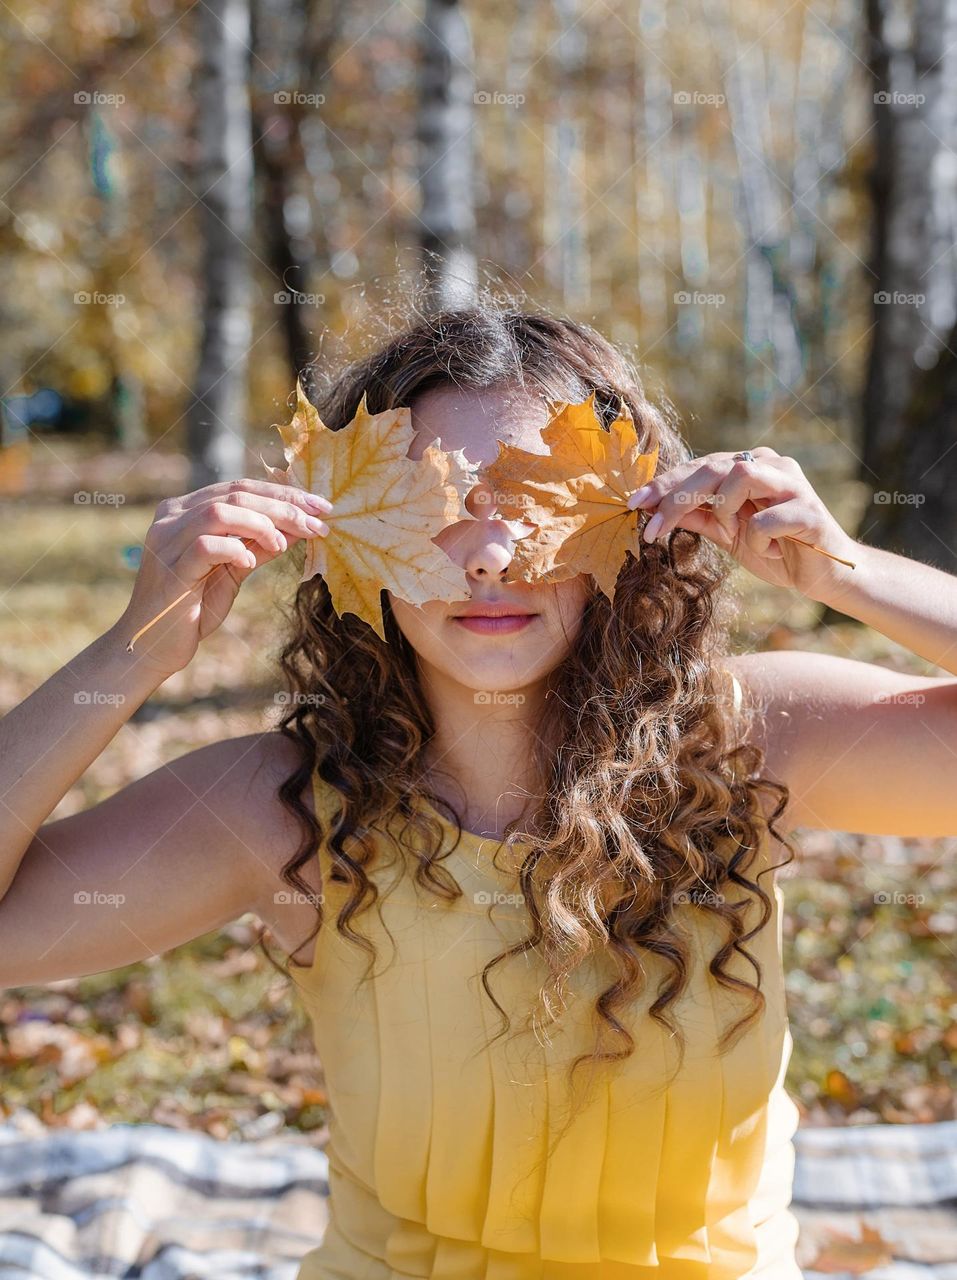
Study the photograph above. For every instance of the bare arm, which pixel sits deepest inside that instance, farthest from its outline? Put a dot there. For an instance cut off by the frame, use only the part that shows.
(862, 748)
(51, 738)
(185, 849)
(175, 853)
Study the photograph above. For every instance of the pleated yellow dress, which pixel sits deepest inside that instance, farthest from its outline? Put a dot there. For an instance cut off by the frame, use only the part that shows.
(437, 1148)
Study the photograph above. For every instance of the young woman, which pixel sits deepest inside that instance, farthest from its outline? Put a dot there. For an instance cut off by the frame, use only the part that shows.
(547, 987)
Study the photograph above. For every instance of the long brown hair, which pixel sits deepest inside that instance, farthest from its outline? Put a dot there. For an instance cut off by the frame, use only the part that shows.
(652, 798)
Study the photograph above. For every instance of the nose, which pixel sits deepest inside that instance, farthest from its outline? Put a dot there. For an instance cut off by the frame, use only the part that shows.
(482, 546)
(491, 557)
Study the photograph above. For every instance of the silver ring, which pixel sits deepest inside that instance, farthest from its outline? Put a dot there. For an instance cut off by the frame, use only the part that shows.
(744, 456)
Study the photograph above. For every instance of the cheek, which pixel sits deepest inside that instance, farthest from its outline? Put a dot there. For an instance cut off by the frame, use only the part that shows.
(417, 624)
(571, 597)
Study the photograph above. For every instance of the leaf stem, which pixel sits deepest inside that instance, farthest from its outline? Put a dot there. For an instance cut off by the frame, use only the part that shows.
(174, 603)
(790, 538)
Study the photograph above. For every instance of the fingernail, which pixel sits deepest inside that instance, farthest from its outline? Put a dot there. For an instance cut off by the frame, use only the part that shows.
(652, 527)
(315, 525)
(638, 497)
(319, 503)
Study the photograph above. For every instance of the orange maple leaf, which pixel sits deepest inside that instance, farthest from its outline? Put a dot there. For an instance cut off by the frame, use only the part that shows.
(842, 1253)
(387, 508)
(576, 495)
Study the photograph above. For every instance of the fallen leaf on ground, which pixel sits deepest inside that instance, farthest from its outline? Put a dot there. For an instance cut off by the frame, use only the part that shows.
(845, 1254)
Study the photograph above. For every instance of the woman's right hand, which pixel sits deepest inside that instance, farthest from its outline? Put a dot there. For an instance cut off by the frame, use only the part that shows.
(201, 534)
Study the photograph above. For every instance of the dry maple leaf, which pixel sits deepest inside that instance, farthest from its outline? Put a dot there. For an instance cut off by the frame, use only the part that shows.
(576, 495)
(386, 508)
(842, 1253)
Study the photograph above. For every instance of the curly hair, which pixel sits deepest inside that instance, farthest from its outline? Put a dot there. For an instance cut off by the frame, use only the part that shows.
(650, 801)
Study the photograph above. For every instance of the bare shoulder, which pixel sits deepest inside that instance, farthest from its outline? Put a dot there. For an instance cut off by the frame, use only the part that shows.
(271, 832)
(238, 781)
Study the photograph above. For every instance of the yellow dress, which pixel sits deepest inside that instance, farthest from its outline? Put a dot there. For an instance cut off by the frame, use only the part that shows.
(437, 1144)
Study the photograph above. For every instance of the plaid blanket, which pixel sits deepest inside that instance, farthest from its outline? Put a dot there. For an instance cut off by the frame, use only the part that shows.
(161, 1204)
(156, 1203)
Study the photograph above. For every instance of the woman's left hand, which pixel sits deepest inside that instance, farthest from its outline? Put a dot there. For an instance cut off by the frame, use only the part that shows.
(746, 508)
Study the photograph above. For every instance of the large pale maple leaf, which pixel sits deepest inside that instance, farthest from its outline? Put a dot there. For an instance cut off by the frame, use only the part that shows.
(387, 507)
(575, 495)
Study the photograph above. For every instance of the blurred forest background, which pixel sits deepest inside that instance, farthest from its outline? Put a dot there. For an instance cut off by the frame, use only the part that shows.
(200, 199)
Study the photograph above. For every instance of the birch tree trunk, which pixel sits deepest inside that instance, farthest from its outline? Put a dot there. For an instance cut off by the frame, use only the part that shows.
(654, 173)
(516, 249)
(817, 259)
(216, 417)
(771, 340)
(691, 198)
(297, 250)
(445, 128)
(567, 268)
